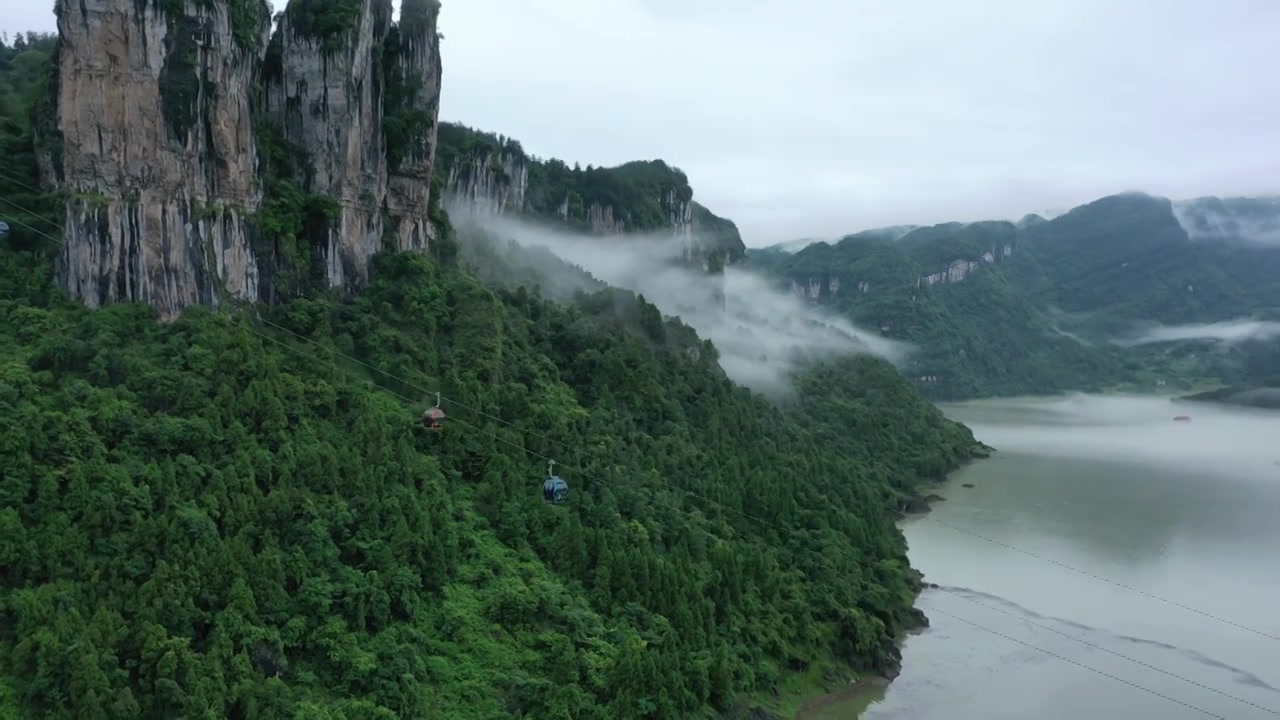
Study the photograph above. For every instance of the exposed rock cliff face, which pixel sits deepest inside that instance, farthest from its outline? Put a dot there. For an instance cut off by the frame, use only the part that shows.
(820, 288)
(326, 100)
(960, 269)
(413, 82)
(156, 149)
(489, 185)
(157, 139)
(486, 175)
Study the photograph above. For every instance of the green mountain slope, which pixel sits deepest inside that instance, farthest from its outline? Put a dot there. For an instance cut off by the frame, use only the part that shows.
(226, 517)
(998, 308)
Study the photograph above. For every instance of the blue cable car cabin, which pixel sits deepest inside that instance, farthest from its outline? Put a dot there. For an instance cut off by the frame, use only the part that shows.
(554, 490)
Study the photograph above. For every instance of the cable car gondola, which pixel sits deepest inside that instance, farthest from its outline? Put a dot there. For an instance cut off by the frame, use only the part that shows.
(433, 419)
(554, 490)
(4, 229)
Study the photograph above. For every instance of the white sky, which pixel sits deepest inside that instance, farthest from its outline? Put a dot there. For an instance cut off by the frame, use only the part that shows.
(822, 117)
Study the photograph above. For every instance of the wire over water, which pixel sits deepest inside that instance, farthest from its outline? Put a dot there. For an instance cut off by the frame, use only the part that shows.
(582, 473)
(1079, 664)
(1103, 579)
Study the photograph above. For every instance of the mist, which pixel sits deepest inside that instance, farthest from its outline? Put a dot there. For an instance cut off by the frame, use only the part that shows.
(1079, 339)
(762, 333)
(1219, 439)
(1251, 220)
(1229, 332)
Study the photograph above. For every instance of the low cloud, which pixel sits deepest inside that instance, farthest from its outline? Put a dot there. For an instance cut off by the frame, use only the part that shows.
(1055, 330)
(762, 333)
(1251, 220)
(1229, 332)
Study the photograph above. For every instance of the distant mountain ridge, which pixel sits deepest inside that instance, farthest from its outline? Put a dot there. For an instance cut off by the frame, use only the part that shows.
(999, 308)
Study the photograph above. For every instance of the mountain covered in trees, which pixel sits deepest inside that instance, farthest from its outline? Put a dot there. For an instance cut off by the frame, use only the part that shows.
(218, 501)
(1089, 300)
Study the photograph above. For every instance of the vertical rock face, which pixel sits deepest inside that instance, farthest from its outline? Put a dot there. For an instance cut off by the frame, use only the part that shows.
(155, 147)
(490, 185)
(160, 107)
(325, 93)
(602, 221)
(960, 269)
(413, 101)
(485, 175)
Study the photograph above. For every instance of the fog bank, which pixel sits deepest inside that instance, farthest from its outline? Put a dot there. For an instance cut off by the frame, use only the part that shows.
(1228, 331)
(1218, 440)
(761, 332)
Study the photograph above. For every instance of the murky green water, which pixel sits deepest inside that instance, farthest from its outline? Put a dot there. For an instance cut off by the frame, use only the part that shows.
(1103, 492)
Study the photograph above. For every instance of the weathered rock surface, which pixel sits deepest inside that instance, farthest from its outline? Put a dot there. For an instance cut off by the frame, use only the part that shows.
(159, 114)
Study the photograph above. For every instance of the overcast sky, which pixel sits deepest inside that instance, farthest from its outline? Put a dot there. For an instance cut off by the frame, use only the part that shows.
(822, 117)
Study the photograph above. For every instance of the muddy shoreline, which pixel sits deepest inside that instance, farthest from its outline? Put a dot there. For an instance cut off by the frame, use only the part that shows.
(849, 692)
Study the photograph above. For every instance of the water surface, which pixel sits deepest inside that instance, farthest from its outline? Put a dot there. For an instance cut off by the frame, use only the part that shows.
(1104, 550)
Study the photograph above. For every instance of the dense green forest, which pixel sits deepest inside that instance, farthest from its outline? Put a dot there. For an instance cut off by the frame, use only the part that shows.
(1036, 307)
(24, 64)
(238, 514)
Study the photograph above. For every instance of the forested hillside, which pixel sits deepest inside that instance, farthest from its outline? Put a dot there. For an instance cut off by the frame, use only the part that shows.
(999, 308)
(24, 67)
(238, 513)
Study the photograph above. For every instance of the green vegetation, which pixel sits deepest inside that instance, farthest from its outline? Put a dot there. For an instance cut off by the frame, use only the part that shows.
(293, 225)
(24, 78)
(249, 20)
(330, 21)
(1041, 310)
(192, 510)
(642, 195)
(181, 77)
(418, 16)
(216, 518)
(1253, 380)
(407, 116)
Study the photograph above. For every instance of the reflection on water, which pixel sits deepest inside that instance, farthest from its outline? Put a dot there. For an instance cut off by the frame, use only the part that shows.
(1108, 562)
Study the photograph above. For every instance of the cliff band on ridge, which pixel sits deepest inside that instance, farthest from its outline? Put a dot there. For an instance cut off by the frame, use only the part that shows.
(175, 126)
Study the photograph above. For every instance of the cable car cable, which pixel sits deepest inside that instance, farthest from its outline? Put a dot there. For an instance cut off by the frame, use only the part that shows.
(582, 473)
(1103, 579)
(712, 503)
(780, 529)
(1082, 641)
(1079, 664)
(690, 493)
(693, 494)
(552, 462)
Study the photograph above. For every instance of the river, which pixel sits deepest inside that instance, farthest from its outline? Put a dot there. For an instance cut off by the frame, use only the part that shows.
(1108, 562)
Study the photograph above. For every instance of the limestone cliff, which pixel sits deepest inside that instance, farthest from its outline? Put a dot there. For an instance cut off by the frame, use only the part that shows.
(485, 174)
(154, 144)
(959, 269)
(167, 121)
(413, 104)
(879, 261)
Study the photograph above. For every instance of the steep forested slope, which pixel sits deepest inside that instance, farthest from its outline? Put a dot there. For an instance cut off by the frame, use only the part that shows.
(999, 308)
(230, 517)
(191, 510)
(24, 67)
